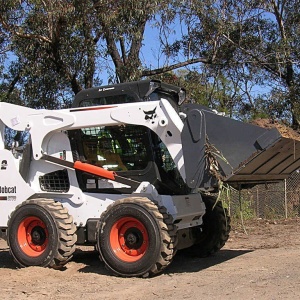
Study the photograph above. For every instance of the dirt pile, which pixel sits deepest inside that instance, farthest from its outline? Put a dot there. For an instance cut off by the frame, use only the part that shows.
(285, 131)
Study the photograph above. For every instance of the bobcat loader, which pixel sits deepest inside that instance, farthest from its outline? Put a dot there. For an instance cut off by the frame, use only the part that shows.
(130, 169)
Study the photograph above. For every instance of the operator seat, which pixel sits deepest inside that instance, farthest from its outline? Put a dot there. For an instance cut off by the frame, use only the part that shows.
(107, 158)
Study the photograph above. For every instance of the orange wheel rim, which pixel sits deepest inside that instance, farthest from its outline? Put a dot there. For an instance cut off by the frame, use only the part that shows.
(129, 239)
(32, 236)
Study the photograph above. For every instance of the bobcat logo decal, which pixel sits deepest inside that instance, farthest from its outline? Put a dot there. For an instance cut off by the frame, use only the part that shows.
(150, 115)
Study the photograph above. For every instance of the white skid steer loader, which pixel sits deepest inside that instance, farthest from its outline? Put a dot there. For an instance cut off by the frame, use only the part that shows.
(128, 170)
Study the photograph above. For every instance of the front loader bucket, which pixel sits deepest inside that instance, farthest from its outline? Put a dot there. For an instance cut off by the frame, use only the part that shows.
(247, 154)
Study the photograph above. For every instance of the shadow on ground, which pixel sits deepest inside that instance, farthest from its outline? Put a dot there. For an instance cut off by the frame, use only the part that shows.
(182, 263)
(6, 260)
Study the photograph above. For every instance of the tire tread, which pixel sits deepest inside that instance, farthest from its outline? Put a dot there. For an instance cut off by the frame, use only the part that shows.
(168, 233)
(66, 230)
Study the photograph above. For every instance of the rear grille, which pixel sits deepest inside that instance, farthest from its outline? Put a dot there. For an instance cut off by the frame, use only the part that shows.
(57, 181)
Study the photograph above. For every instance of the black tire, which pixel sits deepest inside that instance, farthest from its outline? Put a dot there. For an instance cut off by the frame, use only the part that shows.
(136, 238)
(41, 233)
(212, 235)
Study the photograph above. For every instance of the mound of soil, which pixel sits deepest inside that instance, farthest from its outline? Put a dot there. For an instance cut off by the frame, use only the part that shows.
(285, 131)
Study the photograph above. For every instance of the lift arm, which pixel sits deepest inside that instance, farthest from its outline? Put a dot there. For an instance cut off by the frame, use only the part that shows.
(159, 116)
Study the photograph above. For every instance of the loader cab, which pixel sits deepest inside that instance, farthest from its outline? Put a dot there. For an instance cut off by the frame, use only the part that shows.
(132, 151)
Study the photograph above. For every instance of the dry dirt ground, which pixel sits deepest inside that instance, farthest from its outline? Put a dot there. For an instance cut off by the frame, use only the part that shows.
(264, 264)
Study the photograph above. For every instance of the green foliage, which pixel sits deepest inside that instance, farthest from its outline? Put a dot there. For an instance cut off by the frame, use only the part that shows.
(246, 210)
(239, 57)
(252, 44)
(61, 46)
(211, 90)
(55, 49)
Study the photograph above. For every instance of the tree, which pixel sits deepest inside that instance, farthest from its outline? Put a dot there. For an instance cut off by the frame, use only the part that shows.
(231, 47)
(123, 31)
(55, 45)
(60, 46)
(273, 46)
(256, 38)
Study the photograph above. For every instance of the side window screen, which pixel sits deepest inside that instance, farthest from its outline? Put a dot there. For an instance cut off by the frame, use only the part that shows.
(116, 148)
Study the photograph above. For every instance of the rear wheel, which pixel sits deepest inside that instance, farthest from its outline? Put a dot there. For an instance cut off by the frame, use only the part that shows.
(212, 235)
(136, 238)
(41, 233)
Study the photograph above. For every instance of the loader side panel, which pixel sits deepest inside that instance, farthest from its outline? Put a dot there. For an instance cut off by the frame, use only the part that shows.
(13, 189)
(193, 146)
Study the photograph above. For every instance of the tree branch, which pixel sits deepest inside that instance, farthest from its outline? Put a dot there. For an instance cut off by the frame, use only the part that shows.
(107, 33)
(123, 50)
(13, 84)
(176, 66)
(263, 64)
(12, 29)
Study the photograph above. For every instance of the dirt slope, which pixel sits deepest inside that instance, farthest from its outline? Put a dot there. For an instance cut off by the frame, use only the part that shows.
(283, 129)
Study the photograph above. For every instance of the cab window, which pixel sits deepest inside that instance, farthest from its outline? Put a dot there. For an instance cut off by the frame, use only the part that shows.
(116, 148)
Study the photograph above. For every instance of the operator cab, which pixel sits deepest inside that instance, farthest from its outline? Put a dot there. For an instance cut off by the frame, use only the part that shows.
(132, 151)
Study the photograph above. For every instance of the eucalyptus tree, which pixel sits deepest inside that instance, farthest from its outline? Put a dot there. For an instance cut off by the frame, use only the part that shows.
(58, 47)
(54, 47)
(254, 43)
(61, 46)
(268, 41)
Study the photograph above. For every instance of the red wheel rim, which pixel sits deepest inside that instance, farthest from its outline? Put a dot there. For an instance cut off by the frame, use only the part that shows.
(129, 239)
(32, 236)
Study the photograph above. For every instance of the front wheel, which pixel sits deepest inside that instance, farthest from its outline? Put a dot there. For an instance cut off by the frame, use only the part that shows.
(41, 233)
(134, 238)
